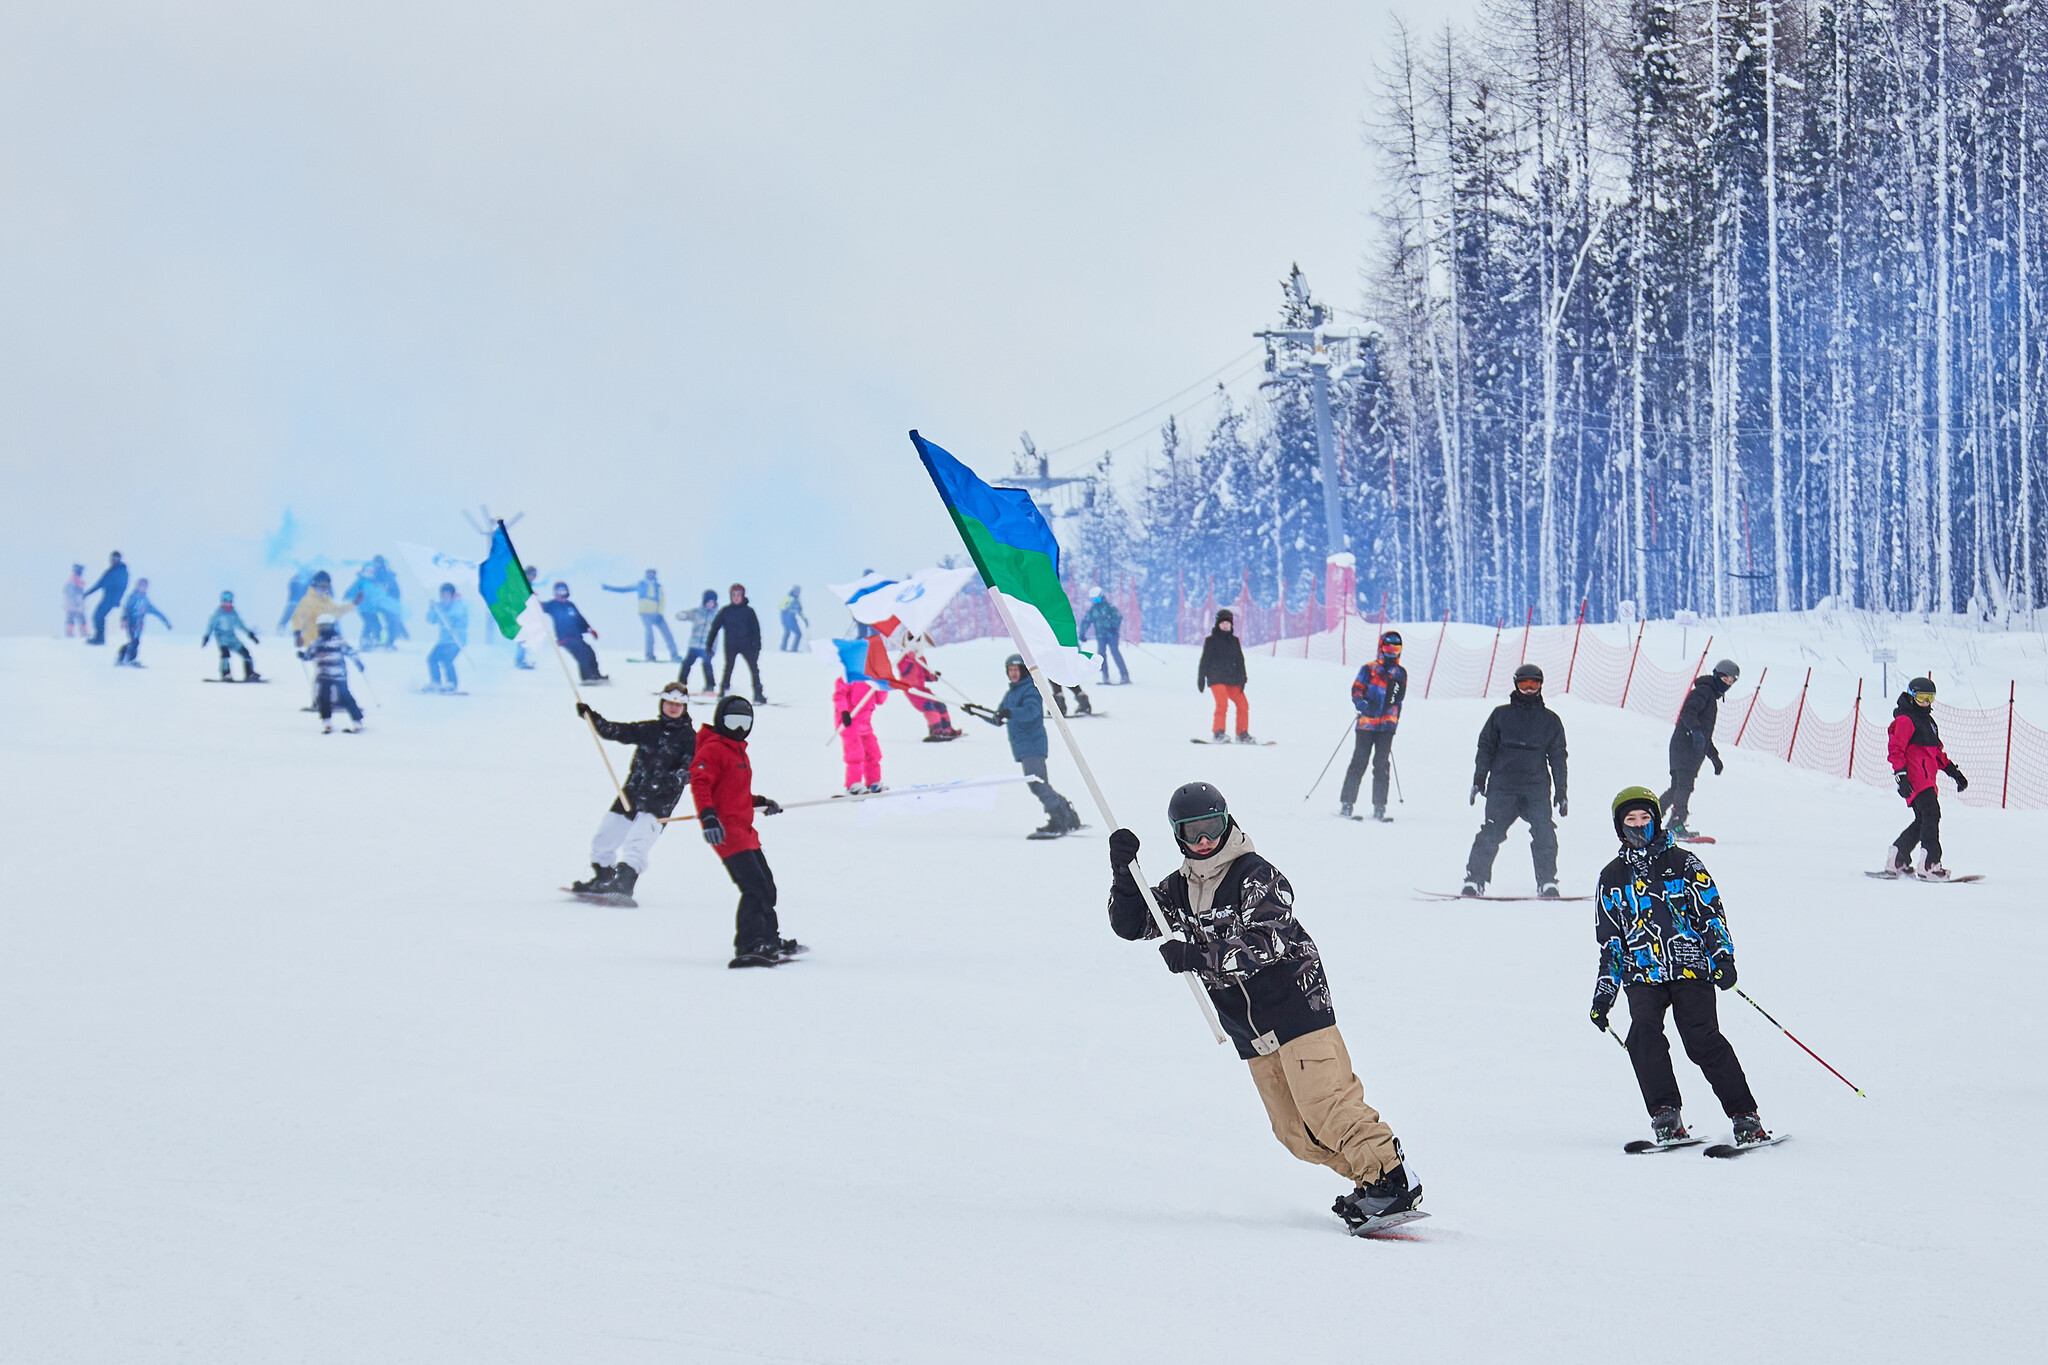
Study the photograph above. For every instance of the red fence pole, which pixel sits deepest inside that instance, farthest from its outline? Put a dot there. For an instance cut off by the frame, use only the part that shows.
(1431, 679)
(1576, 632)
(1525, 636)
(2005, 788)
(1486, 687)
(1798, 715)
(1625, 682)
(1695, 678)
(1758, 692)
(1855, 719)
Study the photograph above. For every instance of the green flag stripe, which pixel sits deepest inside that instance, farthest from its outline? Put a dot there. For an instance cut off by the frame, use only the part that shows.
(1028, 575)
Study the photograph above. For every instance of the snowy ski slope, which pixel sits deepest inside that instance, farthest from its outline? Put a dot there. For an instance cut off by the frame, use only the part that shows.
(302, 1056)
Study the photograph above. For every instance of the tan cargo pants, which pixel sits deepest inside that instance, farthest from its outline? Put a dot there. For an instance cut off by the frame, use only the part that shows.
(1318, 1107)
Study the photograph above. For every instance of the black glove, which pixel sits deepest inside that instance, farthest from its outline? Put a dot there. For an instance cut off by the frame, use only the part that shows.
(1478, 790)
(1123, 850)
(767, 805)
(583, 710)
(252, 638)
(1564, 807)
(1002, 715)
(1603, 1001)
(1724, 974)
(845, 719)
(1715, 759)
(1905, 785)
(1962, 783)
(714, 829)
(1180, 957)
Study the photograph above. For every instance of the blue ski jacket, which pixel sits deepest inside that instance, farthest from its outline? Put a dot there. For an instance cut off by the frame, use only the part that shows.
(222, 626)
(1026, 720)
(1659, 917)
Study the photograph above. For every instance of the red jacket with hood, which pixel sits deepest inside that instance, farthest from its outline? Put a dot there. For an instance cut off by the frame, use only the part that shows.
(722, 780)
(1914, 744)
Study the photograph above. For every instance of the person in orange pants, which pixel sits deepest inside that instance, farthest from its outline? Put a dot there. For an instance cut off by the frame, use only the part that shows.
(1222, 674)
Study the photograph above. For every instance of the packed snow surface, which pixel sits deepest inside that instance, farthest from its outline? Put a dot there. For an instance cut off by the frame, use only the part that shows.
(305, 1058)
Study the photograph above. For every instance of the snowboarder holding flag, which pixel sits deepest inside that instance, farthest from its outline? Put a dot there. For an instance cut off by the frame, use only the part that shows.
(663, 750)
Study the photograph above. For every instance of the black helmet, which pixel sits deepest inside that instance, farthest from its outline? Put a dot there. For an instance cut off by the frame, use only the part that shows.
(1527, 672)
(1921, 685)
(1636, 798)
(734, 717)
(1729, 669)
(1193, 805)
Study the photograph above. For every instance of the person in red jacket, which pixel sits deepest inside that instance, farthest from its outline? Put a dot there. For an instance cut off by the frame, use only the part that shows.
(918, 676)
(1914, 747)
(722, 781)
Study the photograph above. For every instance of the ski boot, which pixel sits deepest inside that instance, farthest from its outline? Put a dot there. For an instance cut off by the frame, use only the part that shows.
(1749, 1130)
(1081, 702)
(326, 727)
(250, 674)
(875, 787)
(853, 789)
(1073, 819)
(758, 955)
(1667, 1125)
(1345, 811)
(1547, 892)
(1933, 872)
(1895, 864)
(620, 887)
(354, 728)
(1245, 737)
(1379, 813)
(1386, 1202)
(787, 948)
(1679, 831)
(597, 885)
(1473, 889)
(1216, 737)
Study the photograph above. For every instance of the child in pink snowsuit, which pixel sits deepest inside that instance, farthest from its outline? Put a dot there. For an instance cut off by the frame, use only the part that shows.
(918, 674)
(855, 713)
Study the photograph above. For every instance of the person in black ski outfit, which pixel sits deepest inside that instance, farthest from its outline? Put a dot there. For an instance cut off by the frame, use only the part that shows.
(112, 586)
(742, 630)
(661, 769)
(1264, 975)
(1663, 936)
(1221, 672)
(570, 628)
(1521, 753)
(1692, 742)
(1022, 714)
(1377, 693)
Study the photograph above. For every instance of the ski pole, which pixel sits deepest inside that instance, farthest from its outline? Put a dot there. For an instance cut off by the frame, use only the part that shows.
(1395, 765)
(1619, 1041)
(1802, 1047)
(363, 676)
(1348, 726)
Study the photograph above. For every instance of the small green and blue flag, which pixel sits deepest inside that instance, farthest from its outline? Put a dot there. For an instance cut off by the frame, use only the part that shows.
(502, 585)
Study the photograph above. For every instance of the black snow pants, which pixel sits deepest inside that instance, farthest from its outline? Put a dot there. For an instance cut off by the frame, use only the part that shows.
(756, 923)
(1925, 831)
(1685, 773)
(753, 671)
(1502, 809)
(229, 651)
(1699, 1028)
(1378, 747)
(333, 692)
(1057, 807)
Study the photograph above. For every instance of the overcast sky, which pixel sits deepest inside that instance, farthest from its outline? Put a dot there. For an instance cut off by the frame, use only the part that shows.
(673, 279)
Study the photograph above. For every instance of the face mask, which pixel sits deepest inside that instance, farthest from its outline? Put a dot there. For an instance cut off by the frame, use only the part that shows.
(1637, 836)
(1203, 827)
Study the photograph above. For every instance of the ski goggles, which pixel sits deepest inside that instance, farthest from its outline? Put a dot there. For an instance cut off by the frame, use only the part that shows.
(1529, 685)
(1924, 698)
(1196, 828)
(1391, 651)
(738, 720)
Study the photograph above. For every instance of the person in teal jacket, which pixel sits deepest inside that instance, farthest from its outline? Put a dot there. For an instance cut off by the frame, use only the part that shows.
(451, 614)
(1022, 714)
(226, 628)
(134, 613)
(653, 614)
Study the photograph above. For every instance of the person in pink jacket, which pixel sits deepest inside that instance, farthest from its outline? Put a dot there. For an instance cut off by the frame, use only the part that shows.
(918, 676)
(1914, 747)
(854, 705)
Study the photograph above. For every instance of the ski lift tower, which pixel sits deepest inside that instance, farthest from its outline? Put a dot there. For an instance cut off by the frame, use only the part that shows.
(488, 527)
(1312, 353)
(1057, 495)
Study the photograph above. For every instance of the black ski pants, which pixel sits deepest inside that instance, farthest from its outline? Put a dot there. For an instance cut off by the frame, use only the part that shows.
(99, 618)
(1503, 808)
(1057, 807)
(1699, 1027)
(755, 923)
(1925, 831)
(1378, 747)
(585, 657)
(753, 671)
(334, 692)
(228, 651)
(1685, 773)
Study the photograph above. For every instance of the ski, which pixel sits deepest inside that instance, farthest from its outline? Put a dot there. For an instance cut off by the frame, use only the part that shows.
(1454, 896)
(1930, 881)
(1642, 1145)
(1386, 1222)
(1234, 744)
(235, 680)
(1729, 1149)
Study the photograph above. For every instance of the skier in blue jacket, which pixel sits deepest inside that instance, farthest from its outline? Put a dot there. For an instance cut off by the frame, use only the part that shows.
(135, 612)
(653, 615)
(226, 628)
(1022, 713)
(451, 614)
(570, 628)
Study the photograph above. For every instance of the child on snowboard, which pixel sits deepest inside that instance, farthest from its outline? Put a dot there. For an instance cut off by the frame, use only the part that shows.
(225, 628)
(1222, 674)
(1377, 693)
(918, 675)
(1022, 712)
(329, 654)
(700, 627)
(854, 705)
(1692, 742)
(1914, 748)
(1521, 750)
(1663, 936)
(722, 784)
(1264, 975)
(74, 603)
(135, 613)
(663, 750)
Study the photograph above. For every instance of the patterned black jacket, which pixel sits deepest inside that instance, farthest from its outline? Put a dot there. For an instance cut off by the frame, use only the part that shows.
(661, 762)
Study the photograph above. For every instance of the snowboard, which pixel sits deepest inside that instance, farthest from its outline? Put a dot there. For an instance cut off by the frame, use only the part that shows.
(672, 663)
(1930, 881)
(235, 680)
(1642, 1145)
(1730, 1149)
(1048, 838)
(1233, 744)
(1697, 839)
(1454, 896)
(437, 692)
(602, 898)
(1372, 1227)
(1088, 715)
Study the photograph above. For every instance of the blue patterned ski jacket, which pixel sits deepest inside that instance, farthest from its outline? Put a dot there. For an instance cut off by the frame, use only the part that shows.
(1659, 918)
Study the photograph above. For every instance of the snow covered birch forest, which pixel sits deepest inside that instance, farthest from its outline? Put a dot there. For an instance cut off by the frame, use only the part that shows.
(1728, 305)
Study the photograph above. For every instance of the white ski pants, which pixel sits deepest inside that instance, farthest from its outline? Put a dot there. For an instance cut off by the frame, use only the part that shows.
(625, 840)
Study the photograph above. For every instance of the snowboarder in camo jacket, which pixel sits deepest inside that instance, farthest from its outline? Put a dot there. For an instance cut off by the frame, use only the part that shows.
(1265, 977)
(662, 751)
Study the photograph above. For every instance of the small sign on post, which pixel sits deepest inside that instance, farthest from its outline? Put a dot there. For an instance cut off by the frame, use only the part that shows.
(1685, 620)
(1884, 657)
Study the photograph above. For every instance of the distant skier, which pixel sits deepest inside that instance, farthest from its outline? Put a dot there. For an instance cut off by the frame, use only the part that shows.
(794, 622)
(317, 601)
(225, 629)
(74, 603)
(722, 785)
(135, 613)
(1377, 693)
(451, 615)
(1663, 936)
(1221, 673)
(1022, 712)
(532, 633)
(742, 630)
(653, 609)
(570, 628)
(700, 618)
(1521, 753)
(1082, 706)
(1692, 743)
(918, 675)
(374, 594)
(1107, 623)
(663, 750)
(1914, 747)
(389, 600)
(330, 655)
(302, 578)
(1264, 975)
(111, 585)
(854, 705)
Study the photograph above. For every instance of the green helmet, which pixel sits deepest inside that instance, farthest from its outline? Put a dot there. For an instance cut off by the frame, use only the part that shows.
(1636, 798)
